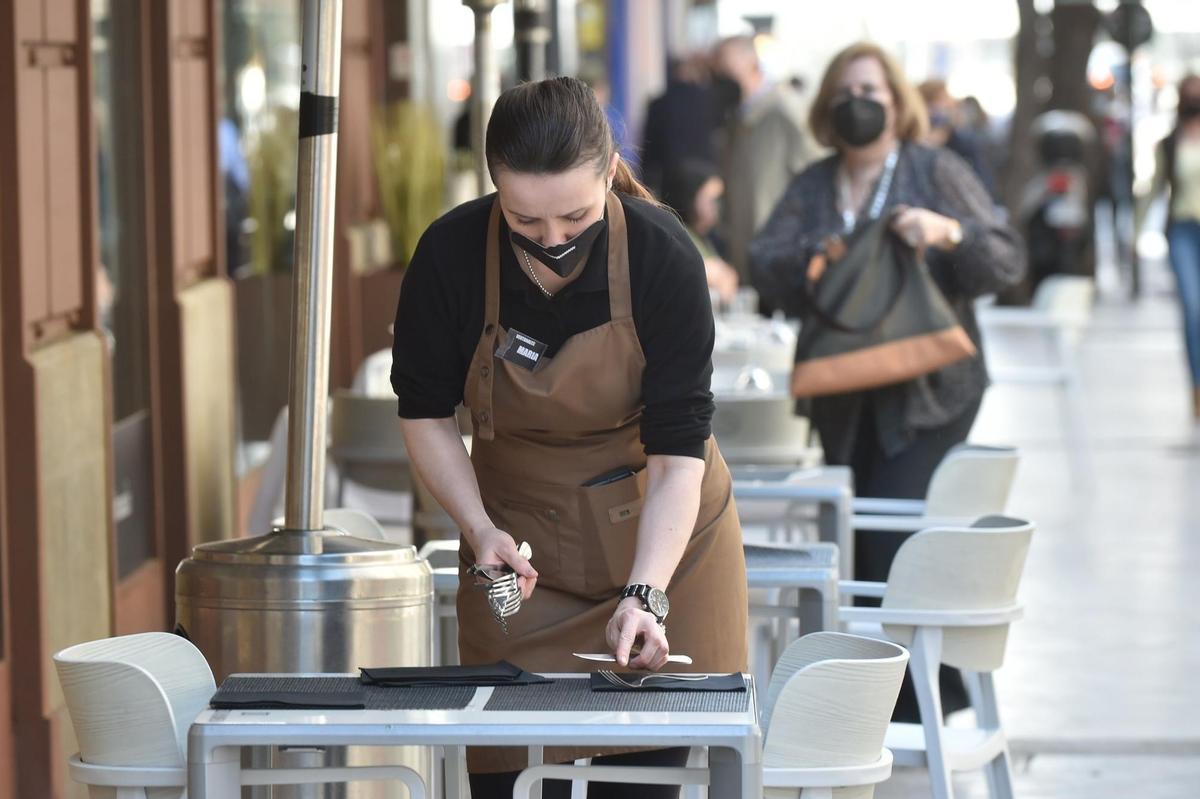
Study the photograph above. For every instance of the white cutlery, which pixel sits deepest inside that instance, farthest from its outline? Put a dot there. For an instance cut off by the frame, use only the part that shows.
(603, 657)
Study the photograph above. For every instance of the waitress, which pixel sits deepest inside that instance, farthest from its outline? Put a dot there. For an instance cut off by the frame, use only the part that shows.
(570, 313)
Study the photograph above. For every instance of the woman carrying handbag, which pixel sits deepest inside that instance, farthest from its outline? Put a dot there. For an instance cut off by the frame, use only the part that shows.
(892, 435)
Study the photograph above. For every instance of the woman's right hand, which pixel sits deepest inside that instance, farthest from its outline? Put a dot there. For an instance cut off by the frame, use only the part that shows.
(493, 546)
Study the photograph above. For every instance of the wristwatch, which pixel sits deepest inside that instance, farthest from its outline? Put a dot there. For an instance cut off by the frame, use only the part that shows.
(652, 599)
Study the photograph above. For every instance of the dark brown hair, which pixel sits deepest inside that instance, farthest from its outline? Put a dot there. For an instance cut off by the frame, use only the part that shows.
(551, 126)
(912, 120)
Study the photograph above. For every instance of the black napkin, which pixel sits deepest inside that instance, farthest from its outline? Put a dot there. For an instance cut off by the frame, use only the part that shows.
(501, 673)
(271, 700)
(717, 682)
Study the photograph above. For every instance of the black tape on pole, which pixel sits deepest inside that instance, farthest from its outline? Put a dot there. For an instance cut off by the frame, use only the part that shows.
(318, 114)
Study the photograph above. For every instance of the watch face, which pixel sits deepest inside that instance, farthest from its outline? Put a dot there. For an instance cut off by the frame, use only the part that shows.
(658, 604)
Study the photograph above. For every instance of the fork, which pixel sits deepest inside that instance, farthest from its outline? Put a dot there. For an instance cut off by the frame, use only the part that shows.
(621, 681)
(503, 594)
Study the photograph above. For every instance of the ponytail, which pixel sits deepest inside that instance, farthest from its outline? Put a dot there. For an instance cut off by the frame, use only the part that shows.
(627, 183)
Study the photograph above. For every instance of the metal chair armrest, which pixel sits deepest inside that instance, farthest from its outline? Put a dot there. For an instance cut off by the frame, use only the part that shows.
(932, 618)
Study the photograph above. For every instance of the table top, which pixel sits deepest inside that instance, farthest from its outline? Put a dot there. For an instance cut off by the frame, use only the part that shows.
(817, 483)
(695, 709)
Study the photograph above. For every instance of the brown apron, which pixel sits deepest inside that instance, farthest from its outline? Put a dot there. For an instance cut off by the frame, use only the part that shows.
(539, 436)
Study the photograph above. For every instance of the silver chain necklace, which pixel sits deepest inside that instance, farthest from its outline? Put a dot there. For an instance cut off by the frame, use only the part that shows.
(533, 274)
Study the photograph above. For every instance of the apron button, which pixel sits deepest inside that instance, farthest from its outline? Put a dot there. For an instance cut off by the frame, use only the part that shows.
(485, 371)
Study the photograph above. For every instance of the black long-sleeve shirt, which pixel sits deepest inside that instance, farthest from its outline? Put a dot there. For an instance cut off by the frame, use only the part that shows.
(439, 318)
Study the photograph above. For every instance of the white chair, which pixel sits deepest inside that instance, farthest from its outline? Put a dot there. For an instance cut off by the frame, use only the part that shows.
(268, 498)
(355, 522)
(367, 447)
(374, 376)
(1057, 316)
(824, 716)
(971, 481)
(951, 596)
(132, 700)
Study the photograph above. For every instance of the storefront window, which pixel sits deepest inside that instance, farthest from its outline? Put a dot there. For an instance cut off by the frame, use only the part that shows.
(257, 132)
(121, 274)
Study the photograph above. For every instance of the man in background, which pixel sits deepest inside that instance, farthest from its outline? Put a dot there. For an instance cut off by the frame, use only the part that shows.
(765, 143)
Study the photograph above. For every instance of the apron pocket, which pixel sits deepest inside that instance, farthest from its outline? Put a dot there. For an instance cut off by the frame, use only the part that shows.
(610, 515)
(539, 524)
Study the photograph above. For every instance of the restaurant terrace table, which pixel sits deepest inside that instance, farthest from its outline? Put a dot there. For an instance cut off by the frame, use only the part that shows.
(772, 496)
(563, 712)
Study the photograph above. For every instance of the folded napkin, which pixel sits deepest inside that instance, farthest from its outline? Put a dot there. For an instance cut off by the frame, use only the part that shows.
(665, 682)
(269, 700)
(501, 673)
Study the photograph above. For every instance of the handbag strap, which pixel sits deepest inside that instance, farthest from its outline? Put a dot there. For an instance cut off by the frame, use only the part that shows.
(882, 189)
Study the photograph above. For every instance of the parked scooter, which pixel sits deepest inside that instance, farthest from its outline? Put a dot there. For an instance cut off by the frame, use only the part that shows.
(1055, 212)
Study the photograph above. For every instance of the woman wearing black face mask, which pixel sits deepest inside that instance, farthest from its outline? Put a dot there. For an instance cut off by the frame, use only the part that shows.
(892, 437)
(570, 313)
(1178, 173)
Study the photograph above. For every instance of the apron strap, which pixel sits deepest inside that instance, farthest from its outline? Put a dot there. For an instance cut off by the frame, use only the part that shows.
(482, 362)
(620, 305)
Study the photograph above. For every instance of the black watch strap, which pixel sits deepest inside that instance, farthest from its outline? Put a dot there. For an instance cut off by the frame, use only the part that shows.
(642, 592)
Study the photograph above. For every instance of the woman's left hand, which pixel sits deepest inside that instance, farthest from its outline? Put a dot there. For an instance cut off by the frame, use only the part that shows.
(921, 228)
(629, 623)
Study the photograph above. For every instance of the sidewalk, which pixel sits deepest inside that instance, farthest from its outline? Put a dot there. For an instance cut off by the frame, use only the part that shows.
(1100, 691)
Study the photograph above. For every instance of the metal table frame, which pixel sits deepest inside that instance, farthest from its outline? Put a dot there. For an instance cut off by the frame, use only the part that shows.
(217, 737)
(830, 488)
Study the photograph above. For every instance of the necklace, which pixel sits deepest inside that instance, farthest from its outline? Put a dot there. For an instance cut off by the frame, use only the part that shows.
(533, 275)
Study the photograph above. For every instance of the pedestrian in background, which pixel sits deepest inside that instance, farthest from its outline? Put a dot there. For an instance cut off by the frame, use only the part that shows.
(893, 437)
(692, 189)
(680, 122)
(765, 143)
(1178, 173)
(948, 128)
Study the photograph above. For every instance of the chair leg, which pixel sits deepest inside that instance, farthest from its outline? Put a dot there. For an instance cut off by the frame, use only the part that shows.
(697, 758)
(999, 771)
(579, 787)
(454, 760)
(924, 663)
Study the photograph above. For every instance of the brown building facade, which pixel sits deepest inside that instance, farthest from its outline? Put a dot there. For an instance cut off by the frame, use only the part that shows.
(118, 312)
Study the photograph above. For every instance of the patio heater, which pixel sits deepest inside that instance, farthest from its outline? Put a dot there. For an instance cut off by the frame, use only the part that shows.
(485, 87)
(306, 598)
(531, 30)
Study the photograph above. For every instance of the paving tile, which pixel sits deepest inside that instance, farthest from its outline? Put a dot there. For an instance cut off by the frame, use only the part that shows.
(1099, 692)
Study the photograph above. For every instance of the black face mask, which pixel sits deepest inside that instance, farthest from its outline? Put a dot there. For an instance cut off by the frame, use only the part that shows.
(562, 258)
(858, 121)
(1189, 109)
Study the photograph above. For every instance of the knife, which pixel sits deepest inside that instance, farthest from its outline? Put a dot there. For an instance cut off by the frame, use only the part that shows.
(603, 657)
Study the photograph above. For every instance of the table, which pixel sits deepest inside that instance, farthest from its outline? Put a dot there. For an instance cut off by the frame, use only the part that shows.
(733, 737)
(829, 488)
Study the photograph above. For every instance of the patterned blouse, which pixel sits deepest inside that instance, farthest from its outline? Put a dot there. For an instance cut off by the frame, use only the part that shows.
(990, 257)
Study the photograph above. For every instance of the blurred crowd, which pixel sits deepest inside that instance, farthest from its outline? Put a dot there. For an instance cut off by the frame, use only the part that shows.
(765, 172)
(724, 140)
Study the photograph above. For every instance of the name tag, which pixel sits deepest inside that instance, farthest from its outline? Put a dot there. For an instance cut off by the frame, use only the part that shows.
(524, 351)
